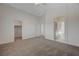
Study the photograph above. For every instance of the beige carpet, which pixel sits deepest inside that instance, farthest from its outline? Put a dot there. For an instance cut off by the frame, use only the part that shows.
(38, 46)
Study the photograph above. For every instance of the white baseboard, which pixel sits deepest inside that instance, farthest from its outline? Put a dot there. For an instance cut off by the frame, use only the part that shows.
(65, 42)
(77, 45)
(5, 42)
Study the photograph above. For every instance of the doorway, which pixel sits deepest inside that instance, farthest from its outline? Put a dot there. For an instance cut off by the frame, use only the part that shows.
(18, 30)
(59, 28)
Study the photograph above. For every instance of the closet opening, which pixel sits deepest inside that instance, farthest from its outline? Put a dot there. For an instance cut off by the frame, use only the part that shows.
(18, 30)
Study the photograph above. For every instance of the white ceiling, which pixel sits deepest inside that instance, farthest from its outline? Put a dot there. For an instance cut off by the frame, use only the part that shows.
(34, 9)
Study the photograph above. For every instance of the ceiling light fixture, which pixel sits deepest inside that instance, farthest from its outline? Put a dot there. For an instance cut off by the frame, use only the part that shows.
(40, 4)
(37, 3)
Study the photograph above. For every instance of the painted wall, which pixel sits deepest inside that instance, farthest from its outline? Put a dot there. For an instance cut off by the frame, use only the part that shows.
(70, 12)
(17, 23)
(6, 25)
(7, 17)
(30, 27)
(73, 24)
(51, 13)
(42, 24)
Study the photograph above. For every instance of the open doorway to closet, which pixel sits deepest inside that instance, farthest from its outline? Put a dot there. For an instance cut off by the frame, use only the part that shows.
(18, 30)
(59, 28)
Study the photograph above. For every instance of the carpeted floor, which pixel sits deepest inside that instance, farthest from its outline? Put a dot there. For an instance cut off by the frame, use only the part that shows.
(38, 46)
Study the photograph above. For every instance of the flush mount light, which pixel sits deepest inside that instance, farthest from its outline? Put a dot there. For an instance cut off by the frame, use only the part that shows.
(37, 4)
